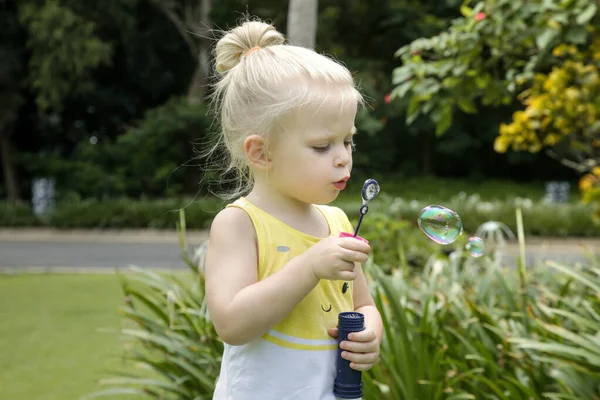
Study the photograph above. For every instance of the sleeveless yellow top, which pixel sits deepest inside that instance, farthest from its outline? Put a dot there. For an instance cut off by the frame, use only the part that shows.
(295, 359)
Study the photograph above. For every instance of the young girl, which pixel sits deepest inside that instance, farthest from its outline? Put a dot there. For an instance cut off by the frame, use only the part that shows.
(275, 265)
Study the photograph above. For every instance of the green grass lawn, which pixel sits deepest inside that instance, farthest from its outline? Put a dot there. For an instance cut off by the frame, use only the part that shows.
(51, 345)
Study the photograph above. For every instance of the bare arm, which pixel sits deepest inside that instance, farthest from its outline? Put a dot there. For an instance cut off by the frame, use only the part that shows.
(364, 303)
(241, 307)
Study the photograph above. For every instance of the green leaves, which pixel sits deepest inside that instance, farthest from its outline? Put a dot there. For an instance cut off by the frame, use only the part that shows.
(546, 39)
(168, 335)
(64, 49)
(459, 330)
(486, 55)
(456, 330)
(587, 14)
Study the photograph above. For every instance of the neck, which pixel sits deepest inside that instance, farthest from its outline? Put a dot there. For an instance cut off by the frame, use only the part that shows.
(274, 202)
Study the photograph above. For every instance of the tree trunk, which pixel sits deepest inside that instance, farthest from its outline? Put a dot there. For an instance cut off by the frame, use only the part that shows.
(199, 82)
(10, 179)
(302, 22)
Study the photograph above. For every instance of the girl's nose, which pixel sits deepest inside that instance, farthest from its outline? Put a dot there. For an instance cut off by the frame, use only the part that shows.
(342, 157)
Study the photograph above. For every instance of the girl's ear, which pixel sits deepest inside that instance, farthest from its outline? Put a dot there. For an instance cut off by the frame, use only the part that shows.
(255, 148)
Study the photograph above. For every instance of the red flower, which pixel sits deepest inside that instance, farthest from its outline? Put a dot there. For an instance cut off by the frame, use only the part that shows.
(387, 98)
(415, 52)
(480, 16)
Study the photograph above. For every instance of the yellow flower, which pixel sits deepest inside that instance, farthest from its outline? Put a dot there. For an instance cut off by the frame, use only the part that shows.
(550, 140)
(546, 121)
(562, 49)
(519, 116)
(535, 147)
(572, 94)
(507, 130)
(585, 183)
(537, 103)
(500, 144)
(595, 49)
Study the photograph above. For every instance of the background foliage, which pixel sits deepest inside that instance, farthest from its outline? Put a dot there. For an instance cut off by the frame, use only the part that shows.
(456, 327)
(118, 74)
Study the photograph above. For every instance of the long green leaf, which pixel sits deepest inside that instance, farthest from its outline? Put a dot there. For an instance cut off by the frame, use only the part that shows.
(591, 345)
(557, 348)
(576, 275)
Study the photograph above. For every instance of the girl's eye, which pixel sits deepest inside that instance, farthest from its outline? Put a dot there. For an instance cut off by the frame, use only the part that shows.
(321, 149)
(351, 144)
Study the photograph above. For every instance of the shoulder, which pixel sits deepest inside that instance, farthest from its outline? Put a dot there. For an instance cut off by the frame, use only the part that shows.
(232, 224)
(334, 212)
(336, 215)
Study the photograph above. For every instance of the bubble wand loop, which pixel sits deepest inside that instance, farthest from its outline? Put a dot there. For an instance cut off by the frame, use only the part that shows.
(348, 382)
(369, 191)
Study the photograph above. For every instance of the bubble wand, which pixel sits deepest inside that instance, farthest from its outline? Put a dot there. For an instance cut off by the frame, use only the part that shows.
(369, 191)
(348, 381)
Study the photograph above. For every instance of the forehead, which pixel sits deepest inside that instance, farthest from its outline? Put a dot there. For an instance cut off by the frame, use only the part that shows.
(330, 113)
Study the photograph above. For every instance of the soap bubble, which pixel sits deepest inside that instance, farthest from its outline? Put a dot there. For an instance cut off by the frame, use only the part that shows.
(440, 224)
(475, 246)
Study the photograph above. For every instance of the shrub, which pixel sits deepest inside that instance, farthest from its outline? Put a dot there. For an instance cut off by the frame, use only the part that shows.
(17, 215)
(168, 334)
(468, 329)
(389, 214)
(459, 328)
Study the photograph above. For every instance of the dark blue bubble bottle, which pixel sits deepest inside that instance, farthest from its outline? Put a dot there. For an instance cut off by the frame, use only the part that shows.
(348, 381)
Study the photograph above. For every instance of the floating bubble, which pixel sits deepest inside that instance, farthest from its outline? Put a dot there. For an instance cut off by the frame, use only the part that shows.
(475, 246)
(440, 224)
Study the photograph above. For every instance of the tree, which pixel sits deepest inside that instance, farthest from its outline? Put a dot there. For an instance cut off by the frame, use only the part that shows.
(11, 98)
(562, 115)
(562, 111)
(302, 22)
(544, 53)
(488, 56)
(192, 20)
(54, 35)
(64, 50)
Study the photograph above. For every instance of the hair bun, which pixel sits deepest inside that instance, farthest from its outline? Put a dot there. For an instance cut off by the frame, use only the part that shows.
(238, 41)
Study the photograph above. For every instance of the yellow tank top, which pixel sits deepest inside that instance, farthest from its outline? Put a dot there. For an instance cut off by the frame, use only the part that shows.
(296, 359)
(305, 328)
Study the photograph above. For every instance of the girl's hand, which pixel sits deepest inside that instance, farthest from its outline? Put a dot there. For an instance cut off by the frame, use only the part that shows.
(334, 258)
(361, 348)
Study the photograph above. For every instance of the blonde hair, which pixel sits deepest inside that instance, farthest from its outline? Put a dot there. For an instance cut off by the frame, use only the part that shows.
(263, 81)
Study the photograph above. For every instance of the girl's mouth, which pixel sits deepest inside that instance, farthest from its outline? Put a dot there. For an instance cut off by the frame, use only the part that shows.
(340, 185)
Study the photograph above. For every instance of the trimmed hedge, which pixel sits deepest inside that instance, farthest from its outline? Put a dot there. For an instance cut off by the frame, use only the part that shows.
(540, 219)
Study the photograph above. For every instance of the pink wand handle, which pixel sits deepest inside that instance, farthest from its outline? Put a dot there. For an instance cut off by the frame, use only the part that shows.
(346, 234)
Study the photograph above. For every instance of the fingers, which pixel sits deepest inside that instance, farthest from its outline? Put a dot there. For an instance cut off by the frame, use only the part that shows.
(347, 266)
(361, 342)
(354, 245)
(354, 256)
(360, 361)
(366, 335)
(360, 347)
(362, 367)
(333, 332)
(346, 276)
(346, 271)
(362, 350)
